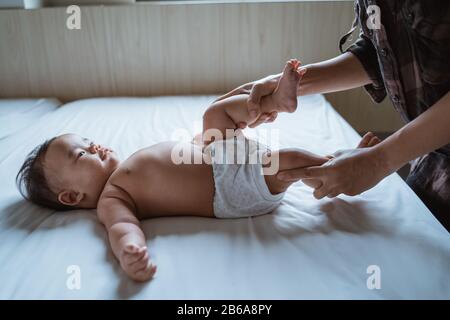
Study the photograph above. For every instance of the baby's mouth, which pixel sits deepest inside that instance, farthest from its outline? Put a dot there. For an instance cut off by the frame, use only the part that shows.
(104, 153)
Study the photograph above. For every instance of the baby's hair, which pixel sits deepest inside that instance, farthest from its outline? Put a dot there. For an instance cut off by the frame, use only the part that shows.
(32, 182)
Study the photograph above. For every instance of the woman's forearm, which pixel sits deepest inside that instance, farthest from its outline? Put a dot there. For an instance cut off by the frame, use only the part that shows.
(340, 73)
(428, 132)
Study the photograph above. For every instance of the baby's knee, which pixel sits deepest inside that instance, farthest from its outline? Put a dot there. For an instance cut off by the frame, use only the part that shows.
(276, 186)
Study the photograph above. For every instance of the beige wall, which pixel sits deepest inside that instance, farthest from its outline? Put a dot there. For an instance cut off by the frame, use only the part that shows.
(160, 49)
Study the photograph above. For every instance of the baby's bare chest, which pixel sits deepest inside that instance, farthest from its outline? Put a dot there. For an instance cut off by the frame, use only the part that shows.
(160, 186)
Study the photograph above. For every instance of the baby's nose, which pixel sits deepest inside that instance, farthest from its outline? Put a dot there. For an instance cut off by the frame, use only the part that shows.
(93, 148)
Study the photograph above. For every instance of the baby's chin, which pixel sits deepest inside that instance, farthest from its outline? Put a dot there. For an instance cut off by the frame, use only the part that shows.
(112, 161)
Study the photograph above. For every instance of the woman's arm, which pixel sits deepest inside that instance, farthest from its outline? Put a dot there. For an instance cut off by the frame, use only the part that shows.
(428, 132)
(340, 73)
(337, 74)
(354, 171)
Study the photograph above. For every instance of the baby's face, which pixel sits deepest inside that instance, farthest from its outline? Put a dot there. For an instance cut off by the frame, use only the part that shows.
(80, 168)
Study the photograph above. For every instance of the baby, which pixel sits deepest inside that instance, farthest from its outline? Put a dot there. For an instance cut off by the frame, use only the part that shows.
(70, 171)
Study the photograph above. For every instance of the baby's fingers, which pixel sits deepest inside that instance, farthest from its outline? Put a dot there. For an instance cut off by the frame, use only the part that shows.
(146, 273)
(130, 258)
(131, 248)
(140, 264)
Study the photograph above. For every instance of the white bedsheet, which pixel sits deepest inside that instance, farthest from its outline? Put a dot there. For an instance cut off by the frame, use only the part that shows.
(17, 114)
(305, 249)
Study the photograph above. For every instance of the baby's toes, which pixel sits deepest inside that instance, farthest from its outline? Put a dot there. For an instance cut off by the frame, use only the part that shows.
(291, 70)
(293, 64)
(289, 67)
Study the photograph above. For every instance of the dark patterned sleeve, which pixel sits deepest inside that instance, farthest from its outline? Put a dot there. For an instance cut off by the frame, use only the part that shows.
(364, 50)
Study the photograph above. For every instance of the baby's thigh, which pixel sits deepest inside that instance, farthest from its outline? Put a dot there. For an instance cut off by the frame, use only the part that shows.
(276, 186)
(274, 162)
(291, 158)
(287, 159)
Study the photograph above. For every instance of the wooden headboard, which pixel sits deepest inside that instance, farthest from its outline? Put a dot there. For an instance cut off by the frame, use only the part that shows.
(173, 48)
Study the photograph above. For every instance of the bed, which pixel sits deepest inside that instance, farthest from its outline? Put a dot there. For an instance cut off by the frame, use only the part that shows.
(305, 249)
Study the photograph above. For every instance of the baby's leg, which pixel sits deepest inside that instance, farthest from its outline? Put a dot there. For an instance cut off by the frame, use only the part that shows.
(225, 114)
(298, 158)
(291, 159)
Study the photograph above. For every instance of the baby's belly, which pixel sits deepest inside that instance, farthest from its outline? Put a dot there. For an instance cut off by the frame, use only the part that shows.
(165, 188)
(186, 191)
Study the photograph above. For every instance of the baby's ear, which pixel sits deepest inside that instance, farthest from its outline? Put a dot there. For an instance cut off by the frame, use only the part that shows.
(70, 197)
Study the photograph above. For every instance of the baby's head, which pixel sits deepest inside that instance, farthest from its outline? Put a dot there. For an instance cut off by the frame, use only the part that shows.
(66, 172)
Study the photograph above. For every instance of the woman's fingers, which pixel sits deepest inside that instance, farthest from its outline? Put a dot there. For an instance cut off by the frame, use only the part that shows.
(302, 173)
(321, 192)
(333, 194)
(259, 90)
(312, 183)
(374, 141)
(272, 116)
(244, 89)
(365, 140)
(369, 140)
(264, 118)
(261, 119)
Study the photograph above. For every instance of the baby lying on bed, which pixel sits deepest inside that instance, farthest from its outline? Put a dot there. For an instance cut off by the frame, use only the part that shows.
(70, 171)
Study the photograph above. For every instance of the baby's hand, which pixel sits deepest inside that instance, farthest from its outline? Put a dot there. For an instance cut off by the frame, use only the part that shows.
(136, 263)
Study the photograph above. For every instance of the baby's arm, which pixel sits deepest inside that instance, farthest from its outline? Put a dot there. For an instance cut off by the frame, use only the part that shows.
(126, 238)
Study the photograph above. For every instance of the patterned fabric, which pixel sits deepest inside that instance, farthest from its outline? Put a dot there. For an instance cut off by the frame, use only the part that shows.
(408, 58)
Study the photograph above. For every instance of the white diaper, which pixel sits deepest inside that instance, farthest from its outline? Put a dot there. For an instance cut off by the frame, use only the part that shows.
(240, 187)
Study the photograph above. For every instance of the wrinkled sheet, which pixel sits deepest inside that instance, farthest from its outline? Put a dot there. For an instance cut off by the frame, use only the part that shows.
(17, 114)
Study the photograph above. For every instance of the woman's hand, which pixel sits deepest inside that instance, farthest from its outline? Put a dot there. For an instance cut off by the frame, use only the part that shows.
(257, 88)
(350, 172)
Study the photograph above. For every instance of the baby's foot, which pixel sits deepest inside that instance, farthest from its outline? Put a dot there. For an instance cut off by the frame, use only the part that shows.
(285, 95)
(369, 140)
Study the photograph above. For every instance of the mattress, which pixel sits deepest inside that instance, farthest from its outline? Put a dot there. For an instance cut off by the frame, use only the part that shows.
(382, 244)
